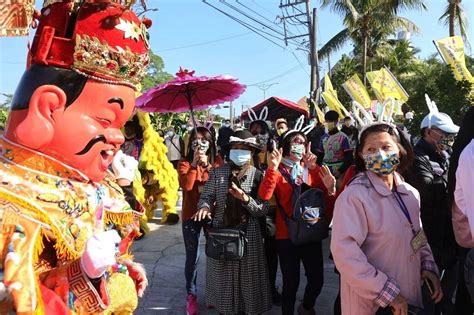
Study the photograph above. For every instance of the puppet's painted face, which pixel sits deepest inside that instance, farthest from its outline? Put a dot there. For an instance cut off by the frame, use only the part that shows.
(87, 133)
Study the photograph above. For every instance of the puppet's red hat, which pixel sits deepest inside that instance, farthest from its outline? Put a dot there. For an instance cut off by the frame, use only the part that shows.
(101, 39)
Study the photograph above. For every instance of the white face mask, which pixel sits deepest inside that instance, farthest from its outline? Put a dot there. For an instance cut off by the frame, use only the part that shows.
(170, 133)
(240, 157)
(190, 128)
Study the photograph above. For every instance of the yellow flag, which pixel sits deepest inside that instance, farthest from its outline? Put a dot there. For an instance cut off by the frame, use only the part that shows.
(303, 102)
(320, 114)
(328, 85)
(452, 51)
(334, 104)
(357, 91)
(385, 85)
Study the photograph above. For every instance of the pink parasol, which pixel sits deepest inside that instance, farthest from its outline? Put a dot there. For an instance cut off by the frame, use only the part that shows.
(187, 92)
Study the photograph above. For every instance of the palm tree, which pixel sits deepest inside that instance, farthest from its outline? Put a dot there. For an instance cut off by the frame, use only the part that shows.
(454, 16)
(367, 23)
(398, 55)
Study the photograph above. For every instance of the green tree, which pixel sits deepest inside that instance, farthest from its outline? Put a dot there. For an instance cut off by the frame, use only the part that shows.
(436, 79)
(4, 108)
(342, 71)
(368, 23)
(453, 16)
(397, 55)
(156, 73)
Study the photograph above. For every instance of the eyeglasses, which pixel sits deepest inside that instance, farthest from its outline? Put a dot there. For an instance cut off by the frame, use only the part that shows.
(440, 132)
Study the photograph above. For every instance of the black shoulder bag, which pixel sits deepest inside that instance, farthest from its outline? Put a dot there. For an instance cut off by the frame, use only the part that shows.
(227, 243)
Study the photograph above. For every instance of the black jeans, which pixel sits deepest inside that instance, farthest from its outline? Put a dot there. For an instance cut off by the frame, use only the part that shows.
(272, 259)
(448, 284)
(291, 257)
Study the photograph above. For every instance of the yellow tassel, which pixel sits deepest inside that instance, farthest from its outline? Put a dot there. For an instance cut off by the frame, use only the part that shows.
(123, 218)
(153, 158)
(38, 246)
(64, 250)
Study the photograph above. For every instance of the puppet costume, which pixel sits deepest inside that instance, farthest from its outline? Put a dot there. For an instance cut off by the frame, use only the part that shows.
(50, 209)
(158, 180)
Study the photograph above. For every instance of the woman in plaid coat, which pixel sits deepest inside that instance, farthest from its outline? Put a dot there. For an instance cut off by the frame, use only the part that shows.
(230, 199)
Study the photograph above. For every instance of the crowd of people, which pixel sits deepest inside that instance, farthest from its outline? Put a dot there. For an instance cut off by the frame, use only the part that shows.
(391, 207)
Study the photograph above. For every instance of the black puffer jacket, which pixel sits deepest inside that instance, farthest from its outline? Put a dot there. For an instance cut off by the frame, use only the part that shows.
(429, 174)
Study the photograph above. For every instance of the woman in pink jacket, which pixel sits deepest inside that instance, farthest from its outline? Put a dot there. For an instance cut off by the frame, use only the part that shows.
(377, 242)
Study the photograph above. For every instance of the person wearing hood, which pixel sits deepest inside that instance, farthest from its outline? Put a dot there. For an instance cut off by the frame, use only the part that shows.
(230, 199)
(429, 175)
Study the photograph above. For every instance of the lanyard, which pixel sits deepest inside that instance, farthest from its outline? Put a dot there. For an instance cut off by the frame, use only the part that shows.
(404, 209)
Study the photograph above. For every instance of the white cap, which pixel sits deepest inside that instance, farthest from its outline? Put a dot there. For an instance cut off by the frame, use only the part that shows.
(441, 121)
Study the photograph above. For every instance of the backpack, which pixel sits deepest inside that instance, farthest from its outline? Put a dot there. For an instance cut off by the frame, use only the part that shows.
(308, 222)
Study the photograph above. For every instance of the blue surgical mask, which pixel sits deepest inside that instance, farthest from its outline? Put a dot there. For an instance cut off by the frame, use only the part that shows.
(240, 157)
(382, 163)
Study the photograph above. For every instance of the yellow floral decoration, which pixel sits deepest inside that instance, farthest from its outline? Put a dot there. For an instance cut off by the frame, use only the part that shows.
(154, 160)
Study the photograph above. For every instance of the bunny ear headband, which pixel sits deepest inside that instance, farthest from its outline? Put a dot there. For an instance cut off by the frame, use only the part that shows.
(208, 124)
(299, 127)
(366, 119)
(263, 114)
(432, 108)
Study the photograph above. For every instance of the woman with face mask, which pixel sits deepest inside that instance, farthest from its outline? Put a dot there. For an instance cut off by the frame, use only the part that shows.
(291, 166)
(377, 242)
(193, 173)
(230, 200)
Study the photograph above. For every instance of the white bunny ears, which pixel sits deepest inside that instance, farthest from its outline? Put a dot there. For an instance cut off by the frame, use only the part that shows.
(263, 114)
(365, 119)
(432, 107)
(207, 124)
(299, 127)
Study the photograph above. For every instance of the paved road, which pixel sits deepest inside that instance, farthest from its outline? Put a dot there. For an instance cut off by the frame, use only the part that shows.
(162, 253)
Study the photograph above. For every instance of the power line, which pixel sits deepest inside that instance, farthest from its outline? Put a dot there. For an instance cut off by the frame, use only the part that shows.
(251, 18)
(282, 74)
(300, 63)
(246, 25)
(204, 43)
(281, 29)
(262, 16)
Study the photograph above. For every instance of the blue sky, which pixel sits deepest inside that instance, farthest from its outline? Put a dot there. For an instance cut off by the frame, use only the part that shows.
(179, 24)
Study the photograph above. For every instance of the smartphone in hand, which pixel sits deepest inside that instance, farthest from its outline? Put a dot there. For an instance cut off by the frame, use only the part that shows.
(429, 285)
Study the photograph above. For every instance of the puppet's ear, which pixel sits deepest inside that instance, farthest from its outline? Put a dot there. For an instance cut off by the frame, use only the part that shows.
(37, 129)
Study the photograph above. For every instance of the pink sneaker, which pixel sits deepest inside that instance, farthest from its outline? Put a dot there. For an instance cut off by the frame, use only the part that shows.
(192, 307)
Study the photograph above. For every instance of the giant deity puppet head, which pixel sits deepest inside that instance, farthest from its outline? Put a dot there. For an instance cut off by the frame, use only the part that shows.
(79, 89)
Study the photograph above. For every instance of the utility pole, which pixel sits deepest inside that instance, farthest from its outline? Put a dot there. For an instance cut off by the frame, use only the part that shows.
(231, 115)
(313, 56)
(312, 26)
